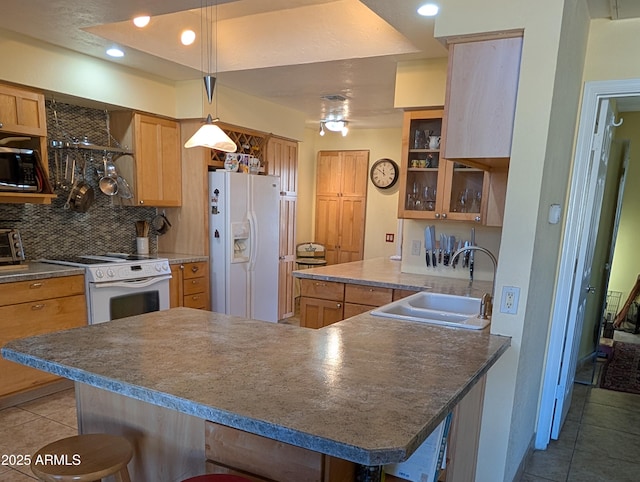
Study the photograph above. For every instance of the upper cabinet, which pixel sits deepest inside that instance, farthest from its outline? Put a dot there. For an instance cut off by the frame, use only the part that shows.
(22, 112)
(432, 187)
(155, 170)
(482, 86)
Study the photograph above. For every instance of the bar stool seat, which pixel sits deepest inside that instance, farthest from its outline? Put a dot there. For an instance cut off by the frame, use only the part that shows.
(83, 458)
(216, 478)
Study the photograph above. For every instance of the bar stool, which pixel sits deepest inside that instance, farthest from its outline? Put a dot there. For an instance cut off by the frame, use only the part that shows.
(83, 458)
(217, 478)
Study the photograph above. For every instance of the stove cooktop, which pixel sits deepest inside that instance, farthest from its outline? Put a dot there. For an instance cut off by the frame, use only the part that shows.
(115, 266)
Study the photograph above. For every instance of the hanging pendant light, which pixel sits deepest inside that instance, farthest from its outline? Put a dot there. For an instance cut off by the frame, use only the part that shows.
(210, 135)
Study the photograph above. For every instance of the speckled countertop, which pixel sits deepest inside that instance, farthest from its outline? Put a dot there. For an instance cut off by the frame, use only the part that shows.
(366, 389)
(34, 270)
(175, 258)
(386, 273)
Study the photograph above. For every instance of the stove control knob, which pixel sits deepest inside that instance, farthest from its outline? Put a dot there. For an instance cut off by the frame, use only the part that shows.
(99, 273)
(110, 273)
(158, 268)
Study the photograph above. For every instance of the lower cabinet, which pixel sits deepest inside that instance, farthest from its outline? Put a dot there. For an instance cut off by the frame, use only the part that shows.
(232, 451)
(325, 302)
(189, 285)
(29, 308)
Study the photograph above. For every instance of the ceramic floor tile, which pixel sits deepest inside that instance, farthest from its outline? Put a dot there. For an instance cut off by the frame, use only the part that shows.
(533, 478)
(551, 464)
(613, 418)
(60, 407)
(593, 467)
(31, 436)
(610, 443)
(15, 476)
(612, 398)
(13, 416)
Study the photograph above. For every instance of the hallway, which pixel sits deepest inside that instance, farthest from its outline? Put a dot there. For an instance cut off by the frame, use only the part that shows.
(600, 438)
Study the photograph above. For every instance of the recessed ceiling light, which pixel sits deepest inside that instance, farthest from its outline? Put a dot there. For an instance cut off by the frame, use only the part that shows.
(428, 10)
(141, 21)
(115, 52)
(187, 37)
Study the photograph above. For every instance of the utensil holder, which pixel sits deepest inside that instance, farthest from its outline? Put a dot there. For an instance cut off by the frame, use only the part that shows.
(142, 245)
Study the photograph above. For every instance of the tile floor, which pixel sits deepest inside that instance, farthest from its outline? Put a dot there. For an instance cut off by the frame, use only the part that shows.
(27, 427)
(600, 441)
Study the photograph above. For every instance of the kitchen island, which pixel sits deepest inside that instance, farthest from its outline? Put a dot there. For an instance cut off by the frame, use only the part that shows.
(367, 390)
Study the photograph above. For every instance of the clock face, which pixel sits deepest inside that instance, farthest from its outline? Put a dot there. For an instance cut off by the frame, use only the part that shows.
(384, 173)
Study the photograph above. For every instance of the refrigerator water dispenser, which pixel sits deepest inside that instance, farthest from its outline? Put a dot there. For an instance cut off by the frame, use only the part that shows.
(241, 242)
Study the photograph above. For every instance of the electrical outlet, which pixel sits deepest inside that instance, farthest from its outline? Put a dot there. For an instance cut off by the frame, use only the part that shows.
(509, 301)
(415, 247)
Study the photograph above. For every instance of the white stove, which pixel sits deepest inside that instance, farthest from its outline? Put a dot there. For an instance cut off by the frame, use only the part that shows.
(120, 285)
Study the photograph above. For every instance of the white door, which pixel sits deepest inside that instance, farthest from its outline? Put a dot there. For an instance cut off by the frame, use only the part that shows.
(264, 219)
(580, 289)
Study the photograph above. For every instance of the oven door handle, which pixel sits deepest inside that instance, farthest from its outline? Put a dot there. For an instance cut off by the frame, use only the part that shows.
(139, 283)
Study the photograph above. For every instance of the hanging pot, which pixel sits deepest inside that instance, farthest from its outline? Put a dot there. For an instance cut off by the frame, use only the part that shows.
(161, 224)
(81, 195)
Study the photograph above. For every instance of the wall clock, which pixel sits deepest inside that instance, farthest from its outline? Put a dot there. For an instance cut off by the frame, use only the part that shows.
(384, 173)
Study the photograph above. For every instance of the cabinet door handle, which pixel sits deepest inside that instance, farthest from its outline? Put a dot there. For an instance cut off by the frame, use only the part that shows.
(437, 215)
(35, 285)
(39, 306)
(321, 284)
(182, 266)
(1, 125)
(338, 305)
(194, 269)
(194, 282)
(477, 219)
(194, 298)
(444, 215)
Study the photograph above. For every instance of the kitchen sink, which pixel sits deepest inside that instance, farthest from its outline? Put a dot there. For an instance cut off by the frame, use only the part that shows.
(436, 309)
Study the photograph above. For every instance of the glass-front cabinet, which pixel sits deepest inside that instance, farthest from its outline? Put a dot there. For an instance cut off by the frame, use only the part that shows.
(432, 187)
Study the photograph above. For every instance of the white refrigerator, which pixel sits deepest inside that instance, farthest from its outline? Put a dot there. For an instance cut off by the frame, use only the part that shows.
(244, 218)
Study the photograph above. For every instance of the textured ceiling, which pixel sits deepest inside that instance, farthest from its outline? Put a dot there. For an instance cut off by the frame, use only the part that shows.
(288, 51)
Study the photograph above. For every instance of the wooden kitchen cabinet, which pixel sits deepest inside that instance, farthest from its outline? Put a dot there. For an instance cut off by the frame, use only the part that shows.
(29, 308)
(232, 451)
(189, 285)
(480, 102)
(360, 298)
(282, 161)
(155, 170)
(341, 199)
(321, 303)
(22, 111)
(433, 187)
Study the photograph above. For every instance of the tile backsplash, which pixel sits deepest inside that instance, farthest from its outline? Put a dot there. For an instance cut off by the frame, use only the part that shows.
(51, 230)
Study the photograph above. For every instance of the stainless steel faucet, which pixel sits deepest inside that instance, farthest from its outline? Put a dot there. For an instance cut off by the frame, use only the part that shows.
(486, 304)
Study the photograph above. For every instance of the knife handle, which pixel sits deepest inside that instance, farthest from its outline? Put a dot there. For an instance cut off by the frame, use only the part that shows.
(427, 258)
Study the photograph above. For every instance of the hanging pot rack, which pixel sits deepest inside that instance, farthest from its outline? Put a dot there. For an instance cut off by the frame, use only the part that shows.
(84, 144)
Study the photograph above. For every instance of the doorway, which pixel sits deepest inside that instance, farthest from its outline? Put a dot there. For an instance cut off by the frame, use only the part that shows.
(562, 350)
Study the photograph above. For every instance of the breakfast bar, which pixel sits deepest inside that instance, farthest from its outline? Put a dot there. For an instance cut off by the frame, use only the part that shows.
(367, 390)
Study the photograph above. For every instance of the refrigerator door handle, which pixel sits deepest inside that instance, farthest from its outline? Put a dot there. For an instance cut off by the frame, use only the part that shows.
(252, 241)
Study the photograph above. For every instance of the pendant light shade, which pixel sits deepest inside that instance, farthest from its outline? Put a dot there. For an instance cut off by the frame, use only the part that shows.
(210, 135)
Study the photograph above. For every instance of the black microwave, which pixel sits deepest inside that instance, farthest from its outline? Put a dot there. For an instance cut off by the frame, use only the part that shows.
(19, 170)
